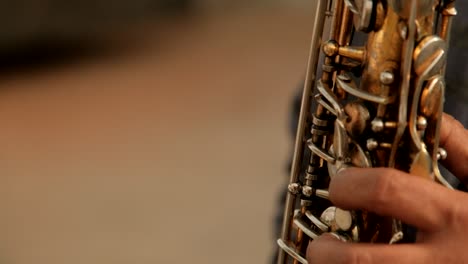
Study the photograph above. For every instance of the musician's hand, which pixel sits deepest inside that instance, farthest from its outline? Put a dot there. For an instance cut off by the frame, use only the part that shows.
(440, 214)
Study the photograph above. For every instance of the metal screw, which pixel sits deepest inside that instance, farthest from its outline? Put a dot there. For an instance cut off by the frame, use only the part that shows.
(387, 78)
(294, 188)
(307, 191)
(372, 144)
(377, 125)
(403, 30)
(421, 123)
(442, 154)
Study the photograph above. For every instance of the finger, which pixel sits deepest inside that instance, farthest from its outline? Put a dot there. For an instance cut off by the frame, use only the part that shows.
(388, 192)
(329, 250)
(454, 138)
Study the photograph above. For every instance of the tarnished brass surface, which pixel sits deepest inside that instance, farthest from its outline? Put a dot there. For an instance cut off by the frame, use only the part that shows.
(376, 105)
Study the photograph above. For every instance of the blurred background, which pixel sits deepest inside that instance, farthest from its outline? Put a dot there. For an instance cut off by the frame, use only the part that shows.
(146, 131)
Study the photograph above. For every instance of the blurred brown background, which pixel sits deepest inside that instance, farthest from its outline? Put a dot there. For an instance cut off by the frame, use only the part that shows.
(149, 132)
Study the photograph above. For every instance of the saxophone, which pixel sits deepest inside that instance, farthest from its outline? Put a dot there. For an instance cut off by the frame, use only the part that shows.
(374, 102)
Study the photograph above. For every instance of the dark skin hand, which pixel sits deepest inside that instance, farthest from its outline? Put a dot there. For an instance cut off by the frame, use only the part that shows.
(440, 214)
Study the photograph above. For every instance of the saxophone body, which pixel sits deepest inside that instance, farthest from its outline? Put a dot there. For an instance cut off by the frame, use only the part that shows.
(375, 102)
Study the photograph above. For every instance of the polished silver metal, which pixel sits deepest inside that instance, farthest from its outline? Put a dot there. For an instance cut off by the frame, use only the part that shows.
(442, 154)
(289, 248)
(421, 123)
(321, 153)
(378, 125)
(294, 188)
(387, 78)
(397, 237)
(307, 191)
(317, 31)
(337, 219)
(429, 56)
(324, 194)
(363, 10)
(372, 144)
(403, 30)
(343, 220)
(352, 89)
(406, 67)
(326, 105)
(340, 141)
(303, 226)
(317, 222)
(352, 6)
(328, 216)
(339, 237)
(328, 94)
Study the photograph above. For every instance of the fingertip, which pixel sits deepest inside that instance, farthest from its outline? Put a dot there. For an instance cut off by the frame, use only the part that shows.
(341, 181)
(446, 115)
(319, 248)
(337, 183)
(450, 126)
(324, 238)
(451, 133)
